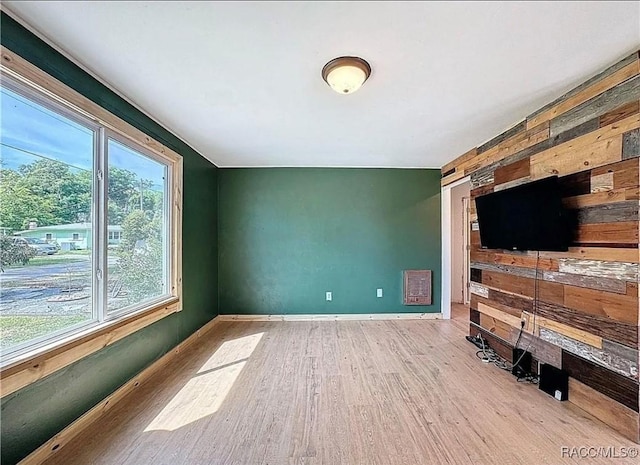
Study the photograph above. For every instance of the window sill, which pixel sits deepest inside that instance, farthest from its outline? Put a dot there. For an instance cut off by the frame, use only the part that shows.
(32, 366)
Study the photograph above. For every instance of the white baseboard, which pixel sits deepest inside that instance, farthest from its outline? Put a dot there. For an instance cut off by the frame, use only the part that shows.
(332, 317)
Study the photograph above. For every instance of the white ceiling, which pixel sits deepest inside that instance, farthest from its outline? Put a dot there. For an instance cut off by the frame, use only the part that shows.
(240, 82)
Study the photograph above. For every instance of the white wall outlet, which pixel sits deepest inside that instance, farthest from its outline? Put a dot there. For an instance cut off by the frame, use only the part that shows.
(329, 296)
(379, 292)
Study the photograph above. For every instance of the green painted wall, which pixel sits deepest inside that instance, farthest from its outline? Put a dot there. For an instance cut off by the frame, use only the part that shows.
(34, 414)
(287, 235)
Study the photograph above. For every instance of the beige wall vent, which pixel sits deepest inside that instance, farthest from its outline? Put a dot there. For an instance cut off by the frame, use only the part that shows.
(417, 287)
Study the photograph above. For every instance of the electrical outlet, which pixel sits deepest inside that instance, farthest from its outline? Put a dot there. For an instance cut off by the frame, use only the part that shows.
(379, 292)
(329, 296)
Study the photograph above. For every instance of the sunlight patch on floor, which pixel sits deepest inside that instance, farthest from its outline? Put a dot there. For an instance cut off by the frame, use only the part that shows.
(205, 392)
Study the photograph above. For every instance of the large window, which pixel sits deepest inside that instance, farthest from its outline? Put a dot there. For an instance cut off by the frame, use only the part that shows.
(86, 223)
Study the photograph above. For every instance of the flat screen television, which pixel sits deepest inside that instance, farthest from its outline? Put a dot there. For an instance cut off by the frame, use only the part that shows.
(526, 217)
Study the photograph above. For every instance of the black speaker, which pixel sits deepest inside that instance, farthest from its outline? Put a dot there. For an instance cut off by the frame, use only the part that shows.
(523, 368)
(554, 381)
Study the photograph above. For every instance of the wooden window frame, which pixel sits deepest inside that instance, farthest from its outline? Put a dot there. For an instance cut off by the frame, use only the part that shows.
(28, 367)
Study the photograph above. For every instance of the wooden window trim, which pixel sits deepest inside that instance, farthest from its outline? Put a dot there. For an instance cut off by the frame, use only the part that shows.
(41, 362)
(31, 366)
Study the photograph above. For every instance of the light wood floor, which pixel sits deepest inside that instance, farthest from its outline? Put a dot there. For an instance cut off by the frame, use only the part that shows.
(349, 392)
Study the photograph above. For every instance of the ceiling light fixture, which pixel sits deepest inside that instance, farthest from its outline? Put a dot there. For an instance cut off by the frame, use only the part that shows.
(345, 75)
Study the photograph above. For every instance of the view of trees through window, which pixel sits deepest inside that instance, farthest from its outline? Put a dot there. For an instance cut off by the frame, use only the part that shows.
(136, 265)
(48, 212)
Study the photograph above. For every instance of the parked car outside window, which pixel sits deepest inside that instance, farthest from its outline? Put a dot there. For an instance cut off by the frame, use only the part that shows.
(40, 246)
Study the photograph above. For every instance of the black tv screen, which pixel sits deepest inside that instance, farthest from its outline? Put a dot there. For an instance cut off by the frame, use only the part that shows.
(526, 217)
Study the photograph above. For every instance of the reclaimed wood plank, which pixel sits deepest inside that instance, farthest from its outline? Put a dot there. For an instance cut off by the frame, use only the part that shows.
(444, 174)
(548, 291)
(474, 238)
(476, 299)
(632, 193)
(482, 177)
(481, 191)
(515, 258)
(607, 233)
(460, 160)
(512, 171)
(625, 173)
(571, 159)
(514, 284)
(507, 148)
(478, 289)
(511, 320)
(495, 326)
(597, 106)
(589, 282)
(592, 148)
(540, 349)
(629, 177)
(631, 255)
(601, 182)
(618, 307)
(613, 385)
(601, 356)
(631, 144)
(616, 415)
(577, 131)
(620, 113)
(517, 143)
(622, 211)
(596, 198)
(510, 269)
(501, 347)
(510, 184)
(456, 175)
(603, 327)
(619, 350)
(511, 300)
(534, 322)
(569, 103)
(474, 316)
(625, 271)
(509, 133)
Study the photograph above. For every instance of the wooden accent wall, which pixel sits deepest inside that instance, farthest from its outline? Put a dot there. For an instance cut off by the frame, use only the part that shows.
(586, 319)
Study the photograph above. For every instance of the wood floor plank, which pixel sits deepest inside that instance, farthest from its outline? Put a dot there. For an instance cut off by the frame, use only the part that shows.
(336, 393)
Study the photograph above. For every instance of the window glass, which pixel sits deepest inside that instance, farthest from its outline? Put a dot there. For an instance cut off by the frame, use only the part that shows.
(46, 164)
(136, 205)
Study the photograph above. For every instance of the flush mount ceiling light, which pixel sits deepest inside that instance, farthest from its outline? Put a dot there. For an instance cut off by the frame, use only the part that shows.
(345, 75)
